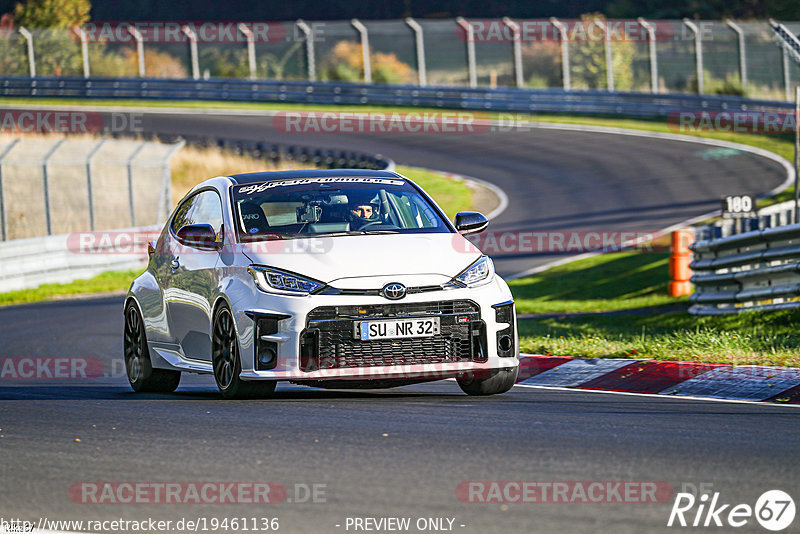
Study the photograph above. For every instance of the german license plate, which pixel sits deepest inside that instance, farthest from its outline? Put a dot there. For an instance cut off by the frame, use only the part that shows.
(397, 328)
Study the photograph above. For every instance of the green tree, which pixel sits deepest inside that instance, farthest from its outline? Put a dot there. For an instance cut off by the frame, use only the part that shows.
(588, 58)
(52, 14)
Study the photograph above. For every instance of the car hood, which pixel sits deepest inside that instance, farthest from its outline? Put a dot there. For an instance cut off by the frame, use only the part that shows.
(407, 257)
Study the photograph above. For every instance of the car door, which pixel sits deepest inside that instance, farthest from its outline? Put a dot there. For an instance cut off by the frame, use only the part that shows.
(192, 276)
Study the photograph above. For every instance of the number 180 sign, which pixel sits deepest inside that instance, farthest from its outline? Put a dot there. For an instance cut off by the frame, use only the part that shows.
(739, 207)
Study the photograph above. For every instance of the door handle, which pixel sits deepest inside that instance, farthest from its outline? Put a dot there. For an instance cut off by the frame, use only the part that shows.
(175, 264)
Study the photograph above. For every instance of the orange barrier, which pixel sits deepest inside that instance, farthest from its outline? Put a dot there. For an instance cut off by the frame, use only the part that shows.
(679, 260)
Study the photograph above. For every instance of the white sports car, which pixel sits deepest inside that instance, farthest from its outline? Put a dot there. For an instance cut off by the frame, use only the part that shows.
(341, 278)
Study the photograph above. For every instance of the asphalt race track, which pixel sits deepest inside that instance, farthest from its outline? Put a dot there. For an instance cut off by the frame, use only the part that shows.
(403, 452)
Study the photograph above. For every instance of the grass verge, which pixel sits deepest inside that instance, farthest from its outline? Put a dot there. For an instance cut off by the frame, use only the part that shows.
(102, 283)
(646, 324)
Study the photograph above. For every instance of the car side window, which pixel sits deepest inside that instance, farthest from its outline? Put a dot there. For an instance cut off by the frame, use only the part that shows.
(202, 208)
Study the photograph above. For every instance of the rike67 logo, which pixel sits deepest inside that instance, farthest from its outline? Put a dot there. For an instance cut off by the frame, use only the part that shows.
(774, 510)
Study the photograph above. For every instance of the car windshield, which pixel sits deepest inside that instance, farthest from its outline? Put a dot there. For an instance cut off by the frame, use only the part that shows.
(307, 207)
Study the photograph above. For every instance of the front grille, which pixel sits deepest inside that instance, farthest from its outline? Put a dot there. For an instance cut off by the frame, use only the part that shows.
(389, 311)
(328, 341)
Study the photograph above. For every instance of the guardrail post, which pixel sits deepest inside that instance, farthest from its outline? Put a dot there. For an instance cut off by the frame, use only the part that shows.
(3, 220)
(514, 27)
(609, 56)
(189, 32)
(84, 50)
(562, 32)
(742, 51)
(364, 35)
(310, 62)
(470, 34)
(129, 165)
(651, 42)
(89, 157)
(137, 36)
(251, 48)
(698, 52)
(420, 46)
(31, 56)
(679, 260)
(45, 185)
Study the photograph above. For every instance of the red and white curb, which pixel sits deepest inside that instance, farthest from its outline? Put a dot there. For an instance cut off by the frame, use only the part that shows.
(682, 379)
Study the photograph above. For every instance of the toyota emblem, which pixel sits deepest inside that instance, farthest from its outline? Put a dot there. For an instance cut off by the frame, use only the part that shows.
(394, 291)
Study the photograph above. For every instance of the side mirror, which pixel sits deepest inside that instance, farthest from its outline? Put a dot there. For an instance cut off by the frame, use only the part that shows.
(198, 235)
(471, 222)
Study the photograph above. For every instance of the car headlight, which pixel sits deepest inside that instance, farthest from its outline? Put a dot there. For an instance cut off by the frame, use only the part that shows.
(277, 281)
(479, 273)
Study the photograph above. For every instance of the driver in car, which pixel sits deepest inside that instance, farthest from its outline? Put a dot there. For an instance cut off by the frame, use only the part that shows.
(363, 210)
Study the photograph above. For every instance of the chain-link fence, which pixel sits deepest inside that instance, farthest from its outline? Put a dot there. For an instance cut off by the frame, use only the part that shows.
(711, 57)
(60, 186)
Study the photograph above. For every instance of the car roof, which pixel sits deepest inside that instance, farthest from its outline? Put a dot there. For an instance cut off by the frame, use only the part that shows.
(253, 177)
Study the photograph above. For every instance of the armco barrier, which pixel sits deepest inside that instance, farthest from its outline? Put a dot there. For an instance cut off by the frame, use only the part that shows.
(757, 270)
(500, 99)
(28, 263)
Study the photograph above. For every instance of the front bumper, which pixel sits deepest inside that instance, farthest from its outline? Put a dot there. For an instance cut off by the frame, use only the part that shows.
(314, 339)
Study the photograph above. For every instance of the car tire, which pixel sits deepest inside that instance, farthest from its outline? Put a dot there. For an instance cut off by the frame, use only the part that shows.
(141, 374)
(228, 365)
(497, 381)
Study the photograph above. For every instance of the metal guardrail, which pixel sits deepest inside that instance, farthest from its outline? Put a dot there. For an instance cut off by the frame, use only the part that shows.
(22, 265)
(768, 217)
(757, 270)
(485, 99)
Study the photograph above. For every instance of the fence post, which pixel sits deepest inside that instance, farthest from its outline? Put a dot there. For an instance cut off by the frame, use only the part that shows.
(3, 220)
(420, 46)
(470, 34)
(364, 34)
(679, 260)
(609, 56)
(189, 32)
(514, 27)
(309, 35)
(796, 154)
(129, 165)
(651, 42)
(137, 36)
(742, 51)
(166, 177)
(31, 56)
(787, 80)
(45, 184)
(562, 32)
(251, 48)
(89, 157)
(84, 50)
(698, 52)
